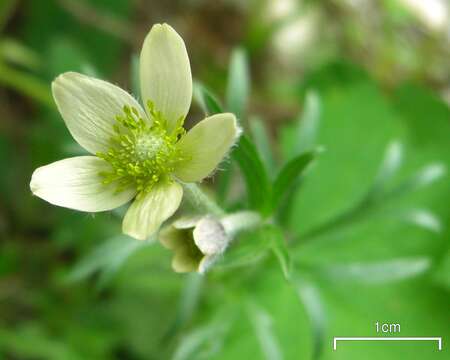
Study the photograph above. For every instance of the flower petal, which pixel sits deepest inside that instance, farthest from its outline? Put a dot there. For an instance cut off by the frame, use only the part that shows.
(205, 145)
(76, 183)
(186, 260)
(187, 256)
(165, 73)
(186, 222)
(145, 215)
(89, 107)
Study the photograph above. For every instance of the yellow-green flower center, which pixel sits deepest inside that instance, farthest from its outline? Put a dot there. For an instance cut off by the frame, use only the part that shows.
(142, 153)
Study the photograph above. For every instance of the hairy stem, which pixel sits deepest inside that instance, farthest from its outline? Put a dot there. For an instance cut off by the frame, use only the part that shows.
(240, 221)
(201, 201)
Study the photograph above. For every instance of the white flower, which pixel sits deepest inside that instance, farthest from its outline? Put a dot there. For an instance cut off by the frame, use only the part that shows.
(139, 154)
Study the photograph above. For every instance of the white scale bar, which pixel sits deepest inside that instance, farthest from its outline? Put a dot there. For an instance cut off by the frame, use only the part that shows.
(385, 338)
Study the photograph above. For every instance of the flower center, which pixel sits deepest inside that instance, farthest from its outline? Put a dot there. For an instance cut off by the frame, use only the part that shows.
(141, 154)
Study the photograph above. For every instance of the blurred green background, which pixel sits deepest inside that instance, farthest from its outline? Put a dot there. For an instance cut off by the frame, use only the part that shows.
(373, 77)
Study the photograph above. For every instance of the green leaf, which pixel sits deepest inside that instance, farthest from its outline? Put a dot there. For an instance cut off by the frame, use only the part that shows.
(423, 218)
(65, 54)
(207, 101)
(15, 52)
(422, 178)
(262, 324)
(277, 243)
(377, 272)
(311, 298)
(188, 303)
(107, 259)
(135, 77)
(31, 340)
(441, 275)
(260, 136)
(224, 182)
(249, 249)
(210, 105)
(26, 84)
(204, 342)
(308, 123)
(289, 176)
(389, 166)
(238, 86)
(342, 178)
(254, 173)
(254, 246)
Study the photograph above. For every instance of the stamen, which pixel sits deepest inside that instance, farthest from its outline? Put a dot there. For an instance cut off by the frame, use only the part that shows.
(141, 155)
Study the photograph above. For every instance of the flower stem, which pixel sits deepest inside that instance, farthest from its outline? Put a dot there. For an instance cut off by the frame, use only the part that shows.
(201, 201)
(239, 221)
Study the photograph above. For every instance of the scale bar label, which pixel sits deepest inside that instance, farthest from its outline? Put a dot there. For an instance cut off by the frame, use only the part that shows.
(386, 338)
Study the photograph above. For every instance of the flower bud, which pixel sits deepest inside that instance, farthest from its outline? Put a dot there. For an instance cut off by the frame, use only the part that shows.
(196, 242)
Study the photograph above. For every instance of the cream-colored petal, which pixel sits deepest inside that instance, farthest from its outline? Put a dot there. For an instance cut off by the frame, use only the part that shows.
(165, 73)
(172, 238)
(76, 183)
(186, 260)
(186, 222)
(146, 214)
(186, 256)
(89, 107)
(205, 145)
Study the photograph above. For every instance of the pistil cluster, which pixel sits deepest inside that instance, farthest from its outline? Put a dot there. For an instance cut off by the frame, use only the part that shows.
(141, 154)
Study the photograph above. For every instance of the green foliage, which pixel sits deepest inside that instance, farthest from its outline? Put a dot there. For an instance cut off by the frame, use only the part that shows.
(107, 258)
(238, 86)
(308, 123)
(25, 83)
(206, 100)
(254, 173)
(277, 243)
(263, 327)
(311, 299)
(260, 135)
(289, 176)
(353, 191)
